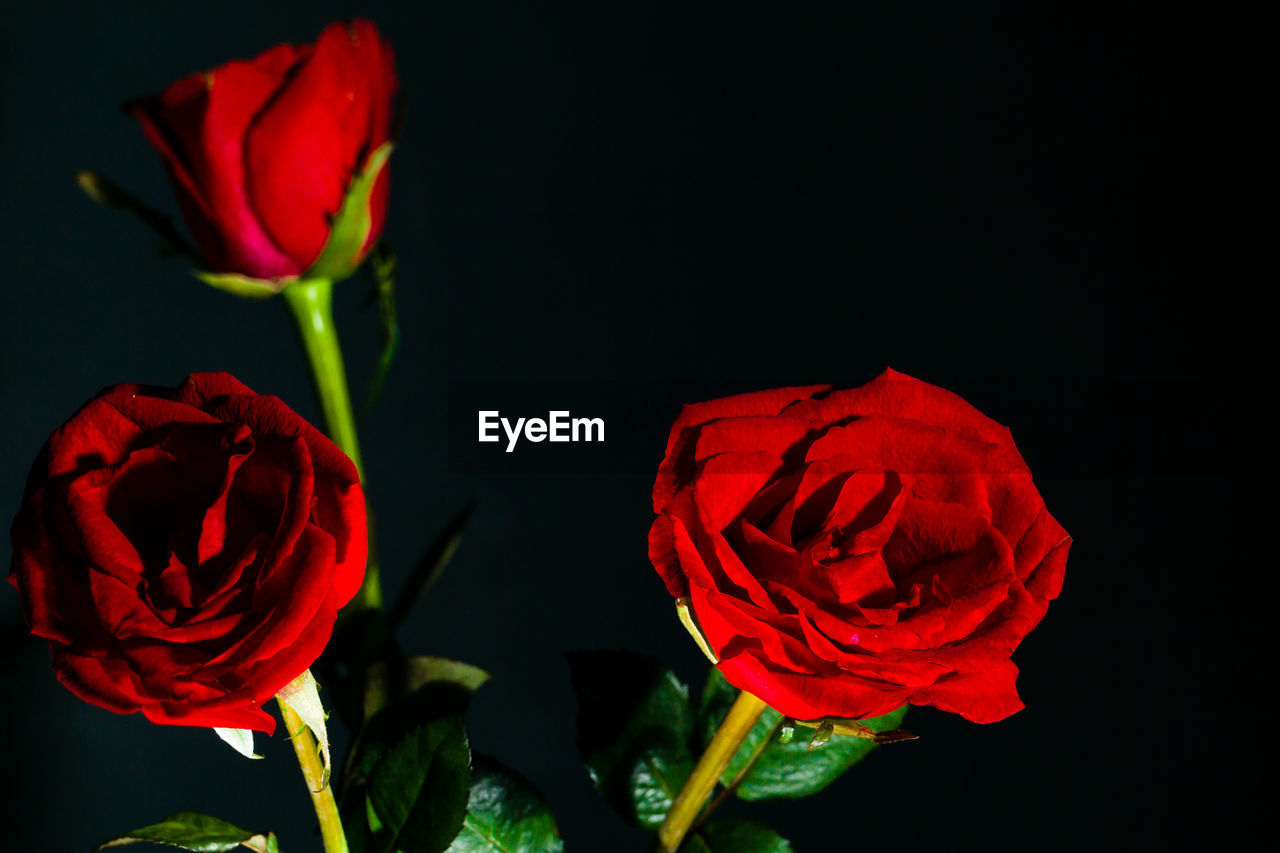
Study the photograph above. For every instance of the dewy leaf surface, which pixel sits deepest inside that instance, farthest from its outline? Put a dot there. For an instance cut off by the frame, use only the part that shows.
(418, 791)
(198, 832)
(505, 815)
(635, 726)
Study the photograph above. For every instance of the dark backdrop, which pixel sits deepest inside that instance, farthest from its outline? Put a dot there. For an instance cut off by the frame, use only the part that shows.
(1039, 209)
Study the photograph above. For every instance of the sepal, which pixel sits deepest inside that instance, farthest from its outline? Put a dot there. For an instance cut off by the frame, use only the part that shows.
(302, 695)
(241, 740)
(349, 231)
(242, 285)
(108, 193)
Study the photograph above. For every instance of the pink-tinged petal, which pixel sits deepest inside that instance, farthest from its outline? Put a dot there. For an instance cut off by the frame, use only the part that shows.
(673, 472)
(305, 147)
(986, 696)
(809, 697)
(199, 126)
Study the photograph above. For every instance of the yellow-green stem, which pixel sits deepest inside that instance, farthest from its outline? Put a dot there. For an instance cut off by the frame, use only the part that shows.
(738, 723)
(313, 771)
(727, 791)
(311, 303)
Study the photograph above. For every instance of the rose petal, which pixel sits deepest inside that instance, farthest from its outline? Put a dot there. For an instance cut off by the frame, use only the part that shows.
(684, 432)
(199, 125)
(304, 148)
(809, 697)
(986, 696)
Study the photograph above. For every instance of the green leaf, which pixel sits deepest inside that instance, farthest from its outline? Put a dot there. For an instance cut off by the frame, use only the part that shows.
(383, 263)
(421, 672)
(350, 229)
(422, 689)
(505, 815)
(418, 791)
(634, 730)
(242, 285)
(108, 193)
(430, 565)
(660, 766)
(784, 769)
(737, 836)
(198, 832)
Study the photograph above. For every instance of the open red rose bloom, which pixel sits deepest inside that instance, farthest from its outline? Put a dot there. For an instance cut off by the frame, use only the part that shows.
(849, 551)
(262, 152)
(186, 551)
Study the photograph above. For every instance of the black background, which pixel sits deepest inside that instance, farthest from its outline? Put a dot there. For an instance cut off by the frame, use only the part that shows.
(1040, 209)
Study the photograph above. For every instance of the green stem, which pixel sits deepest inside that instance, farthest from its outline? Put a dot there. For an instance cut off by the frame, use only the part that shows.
(729, 789)
(304, 745)
(311, 303)
(737, 724)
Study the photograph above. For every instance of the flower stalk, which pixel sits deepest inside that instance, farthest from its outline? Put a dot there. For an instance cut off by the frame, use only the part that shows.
(313, 771)
(310, 302)
(742, 717)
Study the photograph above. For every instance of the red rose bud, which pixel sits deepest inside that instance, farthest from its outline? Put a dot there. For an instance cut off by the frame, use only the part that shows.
(185, 551)
(849, 551)
(279, 162)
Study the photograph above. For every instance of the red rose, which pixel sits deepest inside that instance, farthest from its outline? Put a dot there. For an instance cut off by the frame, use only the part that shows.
(186, 551)
(262, 152)
(848, 551)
